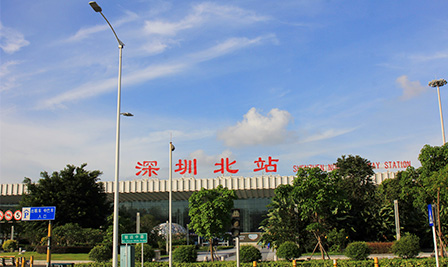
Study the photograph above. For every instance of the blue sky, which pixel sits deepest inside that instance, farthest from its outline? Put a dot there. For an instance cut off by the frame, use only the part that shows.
(304, 82)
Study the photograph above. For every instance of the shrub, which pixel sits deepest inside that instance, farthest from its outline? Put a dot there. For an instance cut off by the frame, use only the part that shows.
(380, 247)
(249, 253)
(100, 253)
(289, 251)
(185, 254)
(148, 252)
(357, 251)
(407, 247)
(10, 245)
(337, 240)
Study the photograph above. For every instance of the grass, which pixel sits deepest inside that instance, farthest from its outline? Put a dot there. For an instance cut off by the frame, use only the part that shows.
(38, 256)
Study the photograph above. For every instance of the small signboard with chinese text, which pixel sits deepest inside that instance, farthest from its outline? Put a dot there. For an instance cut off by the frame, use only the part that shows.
(134, 238)
(38, 213)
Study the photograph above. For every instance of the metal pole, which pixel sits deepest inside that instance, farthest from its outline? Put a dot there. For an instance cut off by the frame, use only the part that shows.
(49, 245)
(397, 219)
(170, 205)
(237, 251)
(117, 167)
(138, 231)
(441, 115)
(439, 83)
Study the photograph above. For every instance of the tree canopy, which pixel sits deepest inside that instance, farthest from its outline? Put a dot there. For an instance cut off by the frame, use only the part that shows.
(75, 192)
(209, 211)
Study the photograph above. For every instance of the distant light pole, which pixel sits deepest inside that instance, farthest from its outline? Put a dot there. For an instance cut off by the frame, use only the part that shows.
(439, 83)
(97, 8)
(170, 217)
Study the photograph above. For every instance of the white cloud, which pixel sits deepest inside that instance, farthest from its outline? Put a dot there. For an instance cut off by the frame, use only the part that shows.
(7, 81)
(11, 40)
(256, 129)
(410, 89)
(149, 73)
(86, 32)
(201, 14)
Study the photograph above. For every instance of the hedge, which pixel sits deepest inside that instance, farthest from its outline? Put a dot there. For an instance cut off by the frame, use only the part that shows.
(396, 262)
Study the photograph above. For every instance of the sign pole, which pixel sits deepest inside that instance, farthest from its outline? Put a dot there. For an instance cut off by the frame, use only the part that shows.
(431, 223)
(49, 245)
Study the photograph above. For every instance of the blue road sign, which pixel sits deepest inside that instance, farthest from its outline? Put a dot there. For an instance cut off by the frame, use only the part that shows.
(38, 213)
(430, 215)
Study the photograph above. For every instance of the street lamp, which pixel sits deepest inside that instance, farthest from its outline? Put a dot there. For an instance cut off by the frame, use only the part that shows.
(97, 8)
(439, 83)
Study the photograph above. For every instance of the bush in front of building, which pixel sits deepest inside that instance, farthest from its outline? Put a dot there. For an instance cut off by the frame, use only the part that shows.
(289, 251)
(100, 253)
(249, 253)
(380, 247)
(357, 251)
(10, 245)
(407, 247)
(148, 253)
(185, 254)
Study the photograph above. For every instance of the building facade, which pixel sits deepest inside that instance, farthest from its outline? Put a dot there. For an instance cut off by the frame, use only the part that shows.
(152, 195)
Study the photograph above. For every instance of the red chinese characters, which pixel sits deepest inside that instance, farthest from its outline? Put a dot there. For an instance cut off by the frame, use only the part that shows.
(187, 166)
(225, 166)
(147, 168)
(269, 167)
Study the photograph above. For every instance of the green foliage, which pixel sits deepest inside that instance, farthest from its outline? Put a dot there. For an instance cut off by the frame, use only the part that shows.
(337, 240)
(185, 254)
(148, 252)
(282, 223)
(357, 251)
(355, 180)
(209, 212)
(100, 253)
(75, 191)
(249, 253)
(289, 251)
(318, 199)
(71, 234)
(396, 262)
(407, 247)
(10, 245)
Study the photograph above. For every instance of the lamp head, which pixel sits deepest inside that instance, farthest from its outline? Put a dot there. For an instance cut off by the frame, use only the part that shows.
(95, 6)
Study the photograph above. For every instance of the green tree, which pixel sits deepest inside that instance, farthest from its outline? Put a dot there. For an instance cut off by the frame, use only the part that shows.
(318, 199)
(209, 211)
(355, 179)
(75, 192)
(282, 223)
(433, 180)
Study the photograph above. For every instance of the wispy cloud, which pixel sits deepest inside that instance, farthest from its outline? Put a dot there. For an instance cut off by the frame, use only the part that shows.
(11, 40)
(256, 129)
(151, 72)
(201, 14)
(327, 134)
(7, 81)
(86, 32)
(410, 89)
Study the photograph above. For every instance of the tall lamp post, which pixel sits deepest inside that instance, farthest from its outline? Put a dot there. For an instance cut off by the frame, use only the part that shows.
(97, 8)
(439, 83)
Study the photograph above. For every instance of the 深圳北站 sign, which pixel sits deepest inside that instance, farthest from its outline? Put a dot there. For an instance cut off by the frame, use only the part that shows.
(38, 213)
(376, 165)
